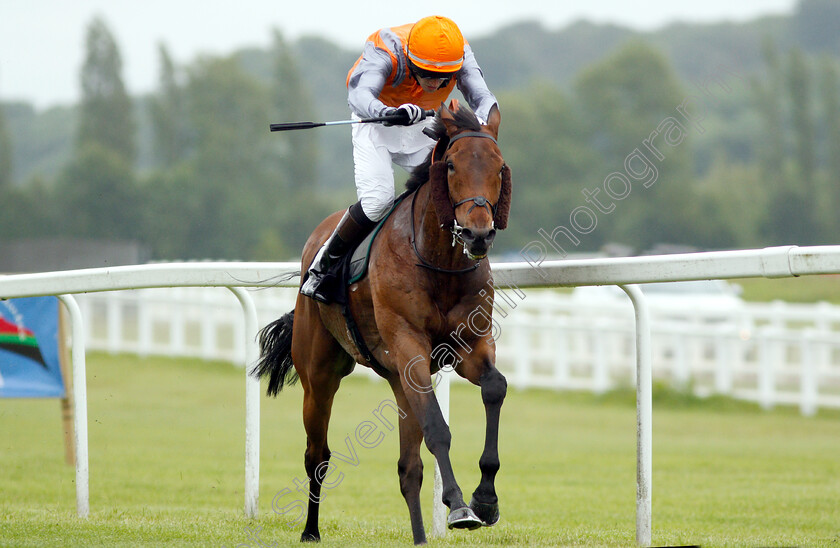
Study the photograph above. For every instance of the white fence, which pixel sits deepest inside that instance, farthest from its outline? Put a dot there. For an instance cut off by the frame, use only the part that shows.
(772, 353)
(626, 272)
(200, 322)
(775, 353)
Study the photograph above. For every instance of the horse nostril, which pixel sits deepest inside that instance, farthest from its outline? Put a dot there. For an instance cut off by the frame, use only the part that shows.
(477, 241)
(478, 235)
(490, 237)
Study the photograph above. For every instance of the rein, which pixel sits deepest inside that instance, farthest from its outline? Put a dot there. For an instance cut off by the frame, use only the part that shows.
(479, 201)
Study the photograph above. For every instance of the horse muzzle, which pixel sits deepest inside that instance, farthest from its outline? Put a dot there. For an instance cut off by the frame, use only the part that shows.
(477, 241)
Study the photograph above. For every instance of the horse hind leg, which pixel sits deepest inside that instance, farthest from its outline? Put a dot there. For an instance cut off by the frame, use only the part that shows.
(317, 407)
(317, 452)
(321, 363)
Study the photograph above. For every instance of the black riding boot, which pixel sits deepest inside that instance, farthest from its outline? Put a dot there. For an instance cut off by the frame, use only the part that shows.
(351, 230)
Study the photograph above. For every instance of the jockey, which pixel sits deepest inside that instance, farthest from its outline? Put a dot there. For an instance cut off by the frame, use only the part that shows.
(402, 71)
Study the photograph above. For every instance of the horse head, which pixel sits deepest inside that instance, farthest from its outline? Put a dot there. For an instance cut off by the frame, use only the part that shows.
(471, 183)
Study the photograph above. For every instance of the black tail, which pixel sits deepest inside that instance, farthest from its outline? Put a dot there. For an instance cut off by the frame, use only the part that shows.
(276, 354)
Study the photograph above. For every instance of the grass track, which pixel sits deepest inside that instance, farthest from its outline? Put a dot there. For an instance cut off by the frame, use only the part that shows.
(805, 289)
(167, 461)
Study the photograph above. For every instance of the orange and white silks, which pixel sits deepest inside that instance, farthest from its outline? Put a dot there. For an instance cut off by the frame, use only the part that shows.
(400, 87)
(380, 78)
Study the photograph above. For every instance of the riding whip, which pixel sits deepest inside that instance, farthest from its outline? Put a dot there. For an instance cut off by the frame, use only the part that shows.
(309, 125)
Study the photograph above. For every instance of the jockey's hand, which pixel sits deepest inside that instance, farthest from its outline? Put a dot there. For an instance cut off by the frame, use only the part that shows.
(408, 114)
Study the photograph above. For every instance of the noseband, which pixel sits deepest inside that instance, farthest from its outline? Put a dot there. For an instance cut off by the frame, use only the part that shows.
(479, 201)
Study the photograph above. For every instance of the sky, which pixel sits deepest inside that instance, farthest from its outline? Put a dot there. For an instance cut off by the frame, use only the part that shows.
(42, 41)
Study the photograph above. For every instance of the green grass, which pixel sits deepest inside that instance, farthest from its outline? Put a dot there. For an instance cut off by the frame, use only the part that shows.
(167, 467)
(804, 289)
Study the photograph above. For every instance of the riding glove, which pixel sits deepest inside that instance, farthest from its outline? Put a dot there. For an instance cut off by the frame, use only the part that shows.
(408, 114)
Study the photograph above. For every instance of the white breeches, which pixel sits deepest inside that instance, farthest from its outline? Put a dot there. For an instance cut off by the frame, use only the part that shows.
(375, 148)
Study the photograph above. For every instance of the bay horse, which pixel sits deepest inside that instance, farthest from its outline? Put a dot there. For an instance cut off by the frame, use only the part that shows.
(414, 317)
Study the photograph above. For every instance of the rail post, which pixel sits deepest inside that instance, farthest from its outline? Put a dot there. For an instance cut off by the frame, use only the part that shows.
(80, 421)
(252, 406)
(644, 416)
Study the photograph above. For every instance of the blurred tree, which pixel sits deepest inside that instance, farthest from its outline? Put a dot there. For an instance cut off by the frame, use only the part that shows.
(543, 139)
(815, 25)
(43, 140)
(233, 181)
(107, 115)
(6, 153)
(791, 214)
(799, 87)
(730, 205)
(31, 211)
(172, 205)
(168, 114)
(302, 205)
(97, 189)
(830, 88)
(323, 67)
(99, 196)
(791, 218)
(769, 97)
(830, 91)
(625, 98)
(291, 101)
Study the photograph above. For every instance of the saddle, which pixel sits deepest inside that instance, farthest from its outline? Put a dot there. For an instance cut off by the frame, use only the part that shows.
(352, 268)
(357, 265)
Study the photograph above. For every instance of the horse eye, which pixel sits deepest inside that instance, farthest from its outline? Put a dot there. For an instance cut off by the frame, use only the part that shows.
(450, 166)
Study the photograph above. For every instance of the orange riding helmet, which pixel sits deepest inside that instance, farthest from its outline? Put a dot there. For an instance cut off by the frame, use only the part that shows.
(436, 45)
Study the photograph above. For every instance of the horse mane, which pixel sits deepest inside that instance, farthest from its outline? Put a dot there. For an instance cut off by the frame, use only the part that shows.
(465, 119)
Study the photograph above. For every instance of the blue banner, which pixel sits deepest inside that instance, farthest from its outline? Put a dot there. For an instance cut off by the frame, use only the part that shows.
(29, 366)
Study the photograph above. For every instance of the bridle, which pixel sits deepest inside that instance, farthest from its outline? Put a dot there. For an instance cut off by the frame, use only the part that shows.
(478, 201)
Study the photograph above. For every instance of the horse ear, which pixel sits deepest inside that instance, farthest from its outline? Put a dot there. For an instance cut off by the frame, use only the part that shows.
(447, 116)
(500, 219)
(493, 120)
(440, 194)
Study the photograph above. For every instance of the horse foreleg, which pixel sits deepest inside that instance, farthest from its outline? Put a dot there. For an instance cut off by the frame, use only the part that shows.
(416, 383)
(410, 465)
(484, 501)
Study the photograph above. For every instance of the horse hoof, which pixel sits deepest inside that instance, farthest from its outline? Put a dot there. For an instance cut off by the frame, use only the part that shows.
(487, 513)
(463, 518)
(310, 537)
